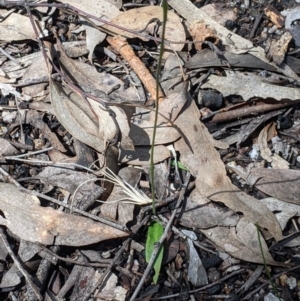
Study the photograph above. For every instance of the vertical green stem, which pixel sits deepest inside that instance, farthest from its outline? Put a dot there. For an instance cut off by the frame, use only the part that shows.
(165, 12)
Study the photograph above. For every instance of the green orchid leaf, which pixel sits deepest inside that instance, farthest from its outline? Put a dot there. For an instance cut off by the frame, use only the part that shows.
(155, 231)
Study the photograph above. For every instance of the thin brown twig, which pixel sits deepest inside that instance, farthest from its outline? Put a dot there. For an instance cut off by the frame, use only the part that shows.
(126, 51)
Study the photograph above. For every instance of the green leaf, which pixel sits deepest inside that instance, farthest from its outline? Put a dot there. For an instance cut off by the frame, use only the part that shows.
(155, 231)
(179, 165)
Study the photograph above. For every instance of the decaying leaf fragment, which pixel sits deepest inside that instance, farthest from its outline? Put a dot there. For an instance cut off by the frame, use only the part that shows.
(275, 160)
(28, 220)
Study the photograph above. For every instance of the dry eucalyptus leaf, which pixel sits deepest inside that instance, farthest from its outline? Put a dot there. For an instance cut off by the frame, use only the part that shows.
(86, 133)
(278, 205)
(247, 248)
(284, 217)
(98, 8)
(17, 27)
(28, 220)
(116, 3)
(75, 49)
(276, 161)
(11, 278)
(249, 128)
(292, 25)
(36, 70)
(253, 86)
(207, 58)
(196, 271)
(141, 133)
(282, 184)
(142, 130)
(211, 179)
(172, 105)
(207, 216)
(138, 19)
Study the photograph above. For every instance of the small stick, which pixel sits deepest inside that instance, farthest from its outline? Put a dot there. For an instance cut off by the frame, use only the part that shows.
(121, 45)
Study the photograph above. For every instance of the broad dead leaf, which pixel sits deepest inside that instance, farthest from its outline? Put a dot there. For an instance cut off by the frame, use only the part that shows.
(171, 79)
(124, 128)
(207, 216)
(17, 69)
(172, 105)
(211, 179)
(241, 242)
(141, 133)
(80, 122)
(28, 220)
(282, 184)
(253, 86)
(139, 19)
(142, 130)
(36, 70)
(17, 27)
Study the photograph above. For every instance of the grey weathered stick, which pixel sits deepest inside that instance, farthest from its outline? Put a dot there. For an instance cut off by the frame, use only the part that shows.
(19, 266)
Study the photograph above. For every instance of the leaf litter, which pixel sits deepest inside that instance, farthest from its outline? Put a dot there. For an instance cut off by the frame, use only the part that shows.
(76, 140)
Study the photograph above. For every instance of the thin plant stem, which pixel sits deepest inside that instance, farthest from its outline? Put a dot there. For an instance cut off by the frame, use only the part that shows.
(165, 12)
